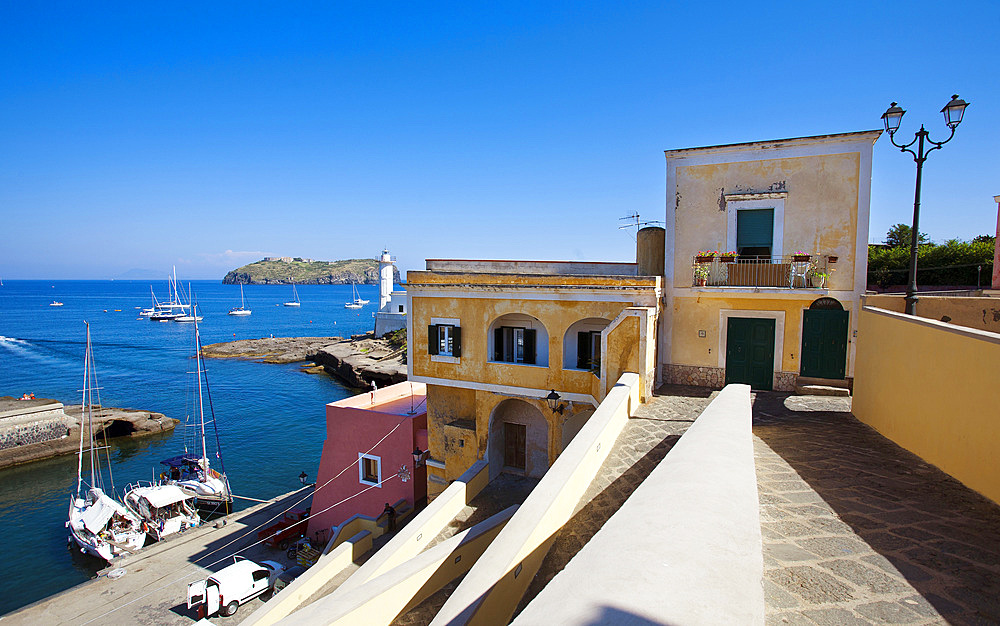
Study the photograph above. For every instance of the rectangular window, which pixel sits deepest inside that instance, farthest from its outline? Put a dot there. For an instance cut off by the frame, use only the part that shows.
(444, 340)
(514, 345)
(754, 232)
(369, 469)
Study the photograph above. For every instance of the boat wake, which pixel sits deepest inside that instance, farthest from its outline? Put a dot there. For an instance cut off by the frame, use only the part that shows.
(13, 344)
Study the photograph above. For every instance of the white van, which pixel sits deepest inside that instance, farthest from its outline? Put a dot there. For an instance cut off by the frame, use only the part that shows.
(224, 591)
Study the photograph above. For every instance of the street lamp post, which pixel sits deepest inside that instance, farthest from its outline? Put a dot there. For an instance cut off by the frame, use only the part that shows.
(953, 112)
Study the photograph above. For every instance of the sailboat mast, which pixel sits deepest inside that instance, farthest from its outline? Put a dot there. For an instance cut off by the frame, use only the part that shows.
(201, 407)
(79, 456)
(89, 401)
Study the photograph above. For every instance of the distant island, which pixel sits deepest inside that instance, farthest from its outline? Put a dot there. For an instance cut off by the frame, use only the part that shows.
(299, 271)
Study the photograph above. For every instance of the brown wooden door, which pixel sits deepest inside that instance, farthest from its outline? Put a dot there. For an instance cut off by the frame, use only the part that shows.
(514, 440)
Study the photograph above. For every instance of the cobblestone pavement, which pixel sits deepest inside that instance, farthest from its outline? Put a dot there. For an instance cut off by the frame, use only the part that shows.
(642, 444)
(857, 530)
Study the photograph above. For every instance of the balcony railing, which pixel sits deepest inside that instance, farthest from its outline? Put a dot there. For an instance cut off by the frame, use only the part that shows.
(789, 271)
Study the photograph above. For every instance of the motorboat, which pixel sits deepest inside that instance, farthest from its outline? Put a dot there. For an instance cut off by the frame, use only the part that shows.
(164, 509)
(55, 303)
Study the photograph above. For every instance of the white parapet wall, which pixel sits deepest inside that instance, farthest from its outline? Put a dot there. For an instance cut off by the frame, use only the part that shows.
(685, 548)
(491, 590)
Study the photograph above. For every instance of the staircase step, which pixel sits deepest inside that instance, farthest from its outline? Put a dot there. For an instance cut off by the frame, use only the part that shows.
(826, 382)
(821, 390)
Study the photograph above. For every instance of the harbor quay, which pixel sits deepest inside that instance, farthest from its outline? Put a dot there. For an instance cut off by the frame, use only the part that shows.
(150, 587)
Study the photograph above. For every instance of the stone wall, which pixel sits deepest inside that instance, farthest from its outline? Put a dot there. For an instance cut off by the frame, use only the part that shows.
(715, 377)
(20, 434)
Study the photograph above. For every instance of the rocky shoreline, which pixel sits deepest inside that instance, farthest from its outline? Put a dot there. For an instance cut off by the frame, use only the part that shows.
(32, 430)
(357, 362)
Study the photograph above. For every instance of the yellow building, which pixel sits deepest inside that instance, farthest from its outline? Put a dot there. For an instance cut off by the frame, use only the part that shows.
(796, 213)
(497, 341)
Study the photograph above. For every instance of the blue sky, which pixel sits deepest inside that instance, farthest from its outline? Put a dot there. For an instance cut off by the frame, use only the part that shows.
(207, 135)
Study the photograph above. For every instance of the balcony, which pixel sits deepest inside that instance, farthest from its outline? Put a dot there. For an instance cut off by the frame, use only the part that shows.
(805, 271)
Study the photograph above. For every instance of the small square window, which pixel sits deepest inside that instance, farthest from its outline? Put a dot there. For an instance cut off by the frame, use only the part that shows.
(369, 469)
(401, 308)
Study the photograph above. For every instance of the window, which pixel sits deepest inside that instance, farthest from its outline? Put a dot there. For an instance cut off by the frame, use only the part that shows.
(401, 308)
(754, 232)
(259, 574)
(588, 350)
(444, 340)
(369, 469)
(513, 344)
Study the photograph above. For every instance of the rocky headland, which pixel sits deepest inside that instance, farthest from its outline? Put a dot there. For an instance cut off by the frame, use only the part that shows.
(31, 430)
(285, 271)
(358, 361)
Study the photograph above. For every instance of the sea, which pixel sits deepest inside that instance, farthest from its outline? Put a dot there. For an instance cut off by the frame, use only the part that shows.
(270, 418)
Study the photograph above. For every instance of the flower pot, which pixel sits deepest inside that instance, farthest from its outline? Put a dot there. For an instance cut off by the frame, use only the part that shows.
(703, 259)
(727, 258)
(818, 282)
(800, 258)
(832, 258)
(701, 282)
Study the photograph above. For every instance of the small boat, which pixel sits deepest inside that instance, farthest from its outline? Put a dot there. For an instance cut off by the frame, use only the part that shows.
(55, 303)
(164, 315)
(164, 509)
(193, 315)
(357, 302)
(242, 308)
(295, 298)
(98, 524)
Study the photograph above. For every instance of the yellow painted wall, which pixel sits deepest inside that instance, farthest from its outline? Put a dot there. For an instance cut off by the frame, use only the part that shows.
(702, 313)
(624, 352)
(980, 313)
(476, 315)
(820, 210)
(932, 390)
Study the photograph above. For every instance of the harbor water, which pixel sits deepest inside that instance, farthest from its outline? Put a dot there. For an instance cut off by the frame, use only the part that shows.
(271, 418)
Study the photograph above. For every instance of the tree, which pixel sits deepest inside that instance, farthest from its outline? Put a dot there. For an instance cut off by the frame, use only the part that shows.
(899, 235)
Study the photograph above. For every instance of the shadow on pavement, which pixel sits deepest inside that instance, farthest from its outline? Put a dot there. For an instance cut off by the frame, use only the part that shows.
(942, 537)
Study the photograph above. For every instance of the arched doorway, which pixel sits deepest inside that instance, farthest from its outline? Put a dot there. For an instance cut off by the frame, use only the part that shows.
(825, 328)
(518, 440)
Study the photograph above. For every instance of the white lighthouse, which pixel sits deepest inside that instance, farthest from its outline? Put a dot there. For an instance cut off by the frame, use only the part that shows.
(385, 274)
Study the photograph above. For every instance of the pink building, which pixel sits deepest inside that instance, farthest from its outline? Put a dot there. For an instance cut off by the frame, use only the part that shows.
(353, 426)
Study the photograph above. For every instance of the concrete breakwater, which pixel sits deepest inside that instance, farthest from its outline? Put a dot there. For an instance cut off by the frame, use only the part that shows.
(358, 361)
(31, 430)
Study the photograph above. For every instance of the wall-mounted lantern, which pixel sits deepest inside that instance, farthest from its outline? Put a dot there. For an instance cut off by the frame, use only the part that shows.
(553, 401)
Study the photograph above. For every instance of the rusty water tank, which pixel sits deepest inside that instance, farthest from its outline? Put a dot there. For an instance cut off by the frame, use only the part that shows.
(649, 244)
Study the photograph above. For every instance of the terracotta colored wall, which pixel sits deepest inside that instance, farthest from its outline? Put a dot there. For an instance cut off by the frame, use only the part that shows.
(353, 430)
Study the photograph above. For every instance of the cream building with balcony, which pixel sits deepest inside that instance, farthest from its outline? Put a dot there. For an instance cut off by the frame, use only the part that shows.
(796, 213)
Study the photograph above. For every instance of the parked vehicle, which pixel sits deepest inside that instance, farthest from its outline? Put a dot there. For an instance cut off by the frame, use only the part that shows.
(287, 577)
(224, 591)
(285, 531)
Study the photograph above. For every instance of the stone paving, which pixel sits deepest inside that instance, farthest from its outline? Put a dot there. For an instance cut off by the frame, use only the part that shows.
(642, 444)
(857, 530)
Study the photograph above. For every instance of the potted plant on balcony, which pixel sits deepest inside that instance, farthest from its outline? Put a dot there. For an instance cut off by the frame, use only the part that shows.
(704, 257)
(727, 257)
(818, 278)
(800, 256)
(700, 275)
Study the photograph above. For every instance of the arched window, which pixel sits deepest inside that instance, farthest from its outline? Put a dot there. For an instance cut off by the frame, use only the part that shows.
(518, 338)
(582, 344)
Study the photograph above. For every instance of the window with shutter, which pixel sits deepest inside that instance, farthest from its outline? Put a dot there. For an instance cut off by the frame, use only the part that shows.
(754, 232)
(528, 353)
(432, 339)
(456, 341)
(583, 350)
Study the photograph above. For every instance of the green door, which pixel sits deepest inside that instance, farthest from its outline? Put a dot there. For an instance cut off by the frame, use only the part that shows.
(824, 343)
(750, 352)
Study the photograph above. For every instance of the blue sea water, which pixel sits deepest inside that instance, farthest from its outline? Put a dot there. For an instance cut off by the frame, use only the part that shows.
(271, 418)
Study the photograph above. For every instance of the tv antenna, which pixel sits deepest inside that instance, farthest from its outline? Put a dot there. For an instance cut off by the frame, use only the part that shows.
(637, 223)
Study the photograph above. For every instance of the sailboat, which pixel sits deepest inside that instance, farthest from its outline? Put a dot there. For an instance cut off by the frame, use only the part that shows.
(242, 308)
(357, 302)
(97, 523)
(175, 298)
(151, 310)
(192, 471)
(295, 297)
(193, 315)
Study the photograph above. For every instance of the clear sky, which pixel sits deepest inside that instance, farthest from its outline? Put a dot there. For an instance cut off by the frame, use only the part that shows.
(207, 134)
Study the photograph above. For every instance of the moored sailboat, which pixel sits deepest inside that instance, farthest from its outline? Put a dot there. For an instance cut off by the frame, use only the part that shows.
(97, 523)
(295, 298)
(357, 302)
(242, 308)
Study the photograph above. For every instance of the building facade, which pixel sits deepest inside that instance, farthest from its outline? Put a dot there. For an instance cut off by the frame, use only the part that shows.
(795, 214)
(493, 339)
